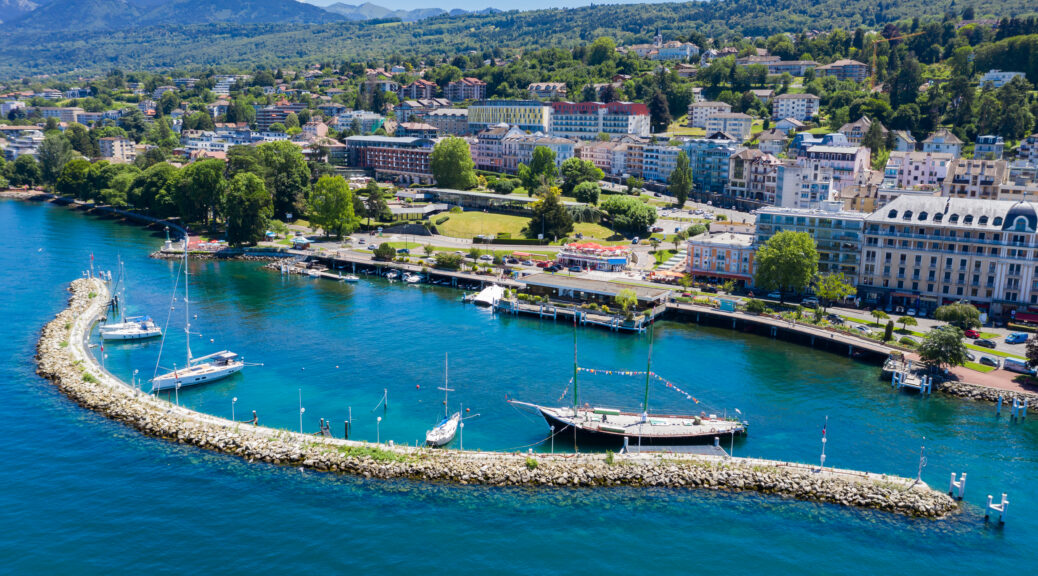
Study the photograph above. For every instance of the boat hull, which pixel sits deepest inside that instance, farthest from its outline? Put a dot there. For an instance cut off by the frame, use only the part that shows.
(444, 432)
(194, 376)
(130, 335)
(564, 429)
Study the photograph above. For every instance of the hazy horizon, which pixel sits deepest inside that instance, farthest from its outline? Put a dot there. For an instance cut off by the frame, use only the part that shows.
(478, 4)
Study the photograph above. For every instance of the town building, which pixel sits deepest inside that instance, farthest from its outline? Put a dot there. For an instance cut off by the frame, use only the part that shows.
(989, 147)
(592, 256)
(998, 78)
(856, 131)
(917, 170)
(838, 234)
(735, 124)
(801, 107)
(972, 178)
(404, 160)
(360, 121)
(698, 112)
(466, 89)
(276, 114)
(903, 141)
(408, 109)
(660, 50)
(752, 179)
(486, 150)
(417, 90)
(721, 256)
(804, 185)
(586, 120)
(415, 130)
(926, 252)
(790, 125)
(529, 115)
(1028, 150)
(845, 70)
(117, 150)
(517, 148)
(23, 142)
(547, 90)
(943, 141)
(66, 115)
(846, 161)
(708, 159)
(772, 141)
(315, 129)
(454, 121)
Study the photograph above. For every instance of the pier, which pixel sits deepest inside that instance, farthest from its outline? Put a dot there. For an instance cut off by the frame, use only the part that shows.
(63, 358)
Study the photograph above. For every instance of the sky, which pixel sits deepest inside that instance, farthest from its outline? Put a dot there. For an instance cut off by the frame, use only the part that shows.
(478, 4)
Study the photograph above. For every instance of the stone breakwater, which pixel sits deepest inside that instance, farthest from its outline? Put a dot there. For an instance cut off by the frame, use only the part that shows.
(985, 393)
(225, 254)
(63, 358)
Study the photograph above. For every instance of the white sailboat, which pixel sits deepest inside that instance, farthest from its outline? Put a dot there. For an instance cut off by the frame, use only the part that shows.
(444, 432)
(197, 370)
(129, 328)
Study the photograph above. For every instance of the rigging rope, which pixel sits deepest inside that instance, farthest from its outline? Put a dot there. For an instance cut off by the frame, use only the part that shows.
(169, 314)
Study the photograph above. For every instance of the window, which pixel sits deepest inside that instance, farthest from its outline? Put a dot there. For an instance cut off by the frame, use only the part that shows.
(954, 219)
(907, 216)
(983, 220)
(938, 217)
(997, 222)
(892, 214)
(968, 219)
(922, 216)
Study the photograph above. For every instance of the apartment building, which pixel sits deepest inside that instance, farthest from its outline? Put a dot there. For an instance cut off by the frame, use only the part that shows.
(517, 148)
(722, 256)
(466, 89)
(943, 141)
(989, 147)
(404, 160)
(547, 90)
(734, 124)
(927, 252)
(838, 234)
(698, 112)
(917, 169)
(846, 162)
(529, 115)
(418, 90)
(972, 178)
(117, 150)
(453, 121)
(752, 179)
(845, 70)
(800, 107)
(586, 120)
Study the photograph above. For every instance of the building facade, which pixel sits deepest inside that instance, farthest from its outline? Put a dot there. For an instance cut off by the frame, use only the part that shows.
(796, 106)
(845, 70)
(735, 124)
(466, 89)
(586, 120)
(721, 256)
(404, 160)
(838, 234)
(529, 115)
(698, 112)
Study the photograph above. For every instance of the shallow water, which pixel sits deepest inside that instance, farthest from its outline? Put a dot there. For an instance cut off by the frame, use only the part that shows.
(79, 491)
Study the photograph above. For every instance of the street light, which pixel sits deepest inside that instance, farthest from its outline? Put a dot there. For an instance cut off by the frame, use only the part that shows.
(301, 410)
(552, 439)
(378, 430)
(233, 402)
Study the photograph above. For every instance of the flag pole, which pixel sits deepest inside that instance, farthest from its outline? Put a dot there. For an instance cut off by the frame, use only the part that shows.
(824, 426)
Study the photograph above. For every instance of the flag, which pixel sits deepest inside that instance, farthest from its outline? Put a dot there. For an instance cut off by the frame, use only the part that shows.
(824, 426)
(739, 412)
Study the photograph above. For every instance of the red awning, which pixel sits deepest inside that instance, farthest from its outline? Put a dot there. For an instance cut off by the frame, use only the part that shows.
(1026, 317)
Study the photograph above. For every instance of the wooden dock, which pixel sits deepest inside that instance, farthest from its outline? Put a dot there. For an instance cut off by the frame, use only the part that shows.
(614, 322)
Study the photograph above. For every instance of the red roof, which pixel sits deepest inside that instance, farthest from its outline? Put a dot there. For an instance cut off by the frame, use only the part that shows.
(594, 246)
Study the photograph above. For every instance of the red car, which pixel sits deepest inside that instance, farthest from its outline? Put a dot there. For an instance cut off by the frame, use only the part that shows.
(971, 333)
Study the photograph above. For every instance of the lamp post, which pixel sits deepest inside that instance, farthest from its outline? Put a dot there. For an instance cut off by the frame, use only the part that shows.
(233, 402)
(135, 372)
(552, 439)
(301, 410)
(378, 430)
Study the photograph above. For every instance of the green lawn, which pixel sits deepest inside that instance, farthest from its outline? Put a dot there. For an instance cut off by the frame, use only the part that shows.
(592, 231)
(474, 223)
(994, 352)
(979, 367)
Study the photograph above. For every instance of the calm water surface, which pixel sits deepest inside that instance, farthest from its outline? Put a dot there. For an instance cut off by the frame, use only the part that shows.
(80, 492)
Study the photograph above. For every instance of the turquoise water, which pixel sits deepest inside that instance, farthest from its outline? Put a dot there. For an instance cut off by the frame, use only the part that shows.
(77, 491)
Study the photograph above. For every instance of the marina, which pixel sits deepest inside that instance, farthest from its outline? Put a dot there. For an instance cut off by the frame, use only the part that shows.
(787, 387)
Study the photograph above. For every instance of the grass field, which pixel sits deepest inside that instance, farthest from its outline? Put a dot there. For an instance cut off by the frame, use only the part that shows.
(592, 231)
(472, 224)
(978, 367)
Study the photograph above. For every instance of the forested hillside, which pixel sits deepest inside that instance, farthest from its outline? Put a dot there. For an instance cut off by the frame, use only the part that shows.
(35, 45)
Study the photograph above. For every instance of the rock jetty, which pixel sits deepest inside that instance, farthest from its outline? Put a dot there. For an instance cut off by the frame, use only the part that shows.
(63, 358)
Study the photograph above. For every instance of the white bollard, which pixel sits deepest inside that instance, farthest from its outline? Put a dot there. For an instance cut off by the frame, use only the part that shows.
(998, 407)
(1002, 507)
(960, 486)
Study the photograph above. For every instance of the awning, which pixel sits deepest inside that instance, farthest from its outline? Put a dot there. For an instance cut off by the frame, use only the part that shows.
(1026, 317)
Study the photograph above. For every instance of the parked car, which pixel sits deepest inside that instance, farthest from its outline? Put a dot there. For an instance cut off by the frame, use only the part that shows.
(1016, 338)
(988, 361)
(657, 229)
(810, 302)
(575, 269)
(636, 240)
(361, 241)
(486, 258)
(910, 312)
(403, 251)
(553, 268)
(922, 312)
(776, 295)
(1015, 365)
(527, 262)
(543, 263)
(971, 333)
(512, 261)
(834, 319)
(710, 289)
(864, 330)
(971, 356)
(984, 342)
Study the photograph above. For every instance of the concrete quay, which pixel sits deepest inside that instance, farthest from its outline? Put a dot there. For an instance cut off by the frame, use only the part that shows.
(62, 357)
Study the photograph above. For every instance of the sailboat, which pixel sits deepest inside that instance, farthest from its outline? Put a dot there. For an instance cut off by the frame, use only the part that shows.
(610, 426)
(129, 328)
(444, 432)
(197, 370)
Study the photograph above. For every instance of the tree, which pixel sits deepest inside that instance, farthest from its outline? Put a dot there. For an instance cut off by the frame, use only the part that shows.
(575, 171)
(943, 347)
(959, 314)
(587, 192)
(873, 139)
(286, 176)
(681, 180)
(248, 208)
(54, 153)
(448, 260)
(385, 251)
(542, 169)
(788, 261)
(659, 112)
(601, 50)
(888, 332)
(906, 321)
(25, 171)
(629, 214)
(452, 165)
(376, 205)
(550, 217)
(879, 315)
(833, 288)
(155, 190)
(626, 299)
(74, 180)
(331, 206)
(200, 192)
(1032, 352)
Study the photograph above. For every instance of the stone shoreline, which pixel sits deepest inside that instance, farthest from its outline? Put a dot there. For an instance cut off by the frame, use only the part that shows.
(985, 393)
(62, 357)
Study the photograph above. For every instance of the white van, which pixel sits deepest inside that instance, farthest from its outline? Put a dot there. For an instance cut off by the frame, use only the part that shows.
(1015, 365)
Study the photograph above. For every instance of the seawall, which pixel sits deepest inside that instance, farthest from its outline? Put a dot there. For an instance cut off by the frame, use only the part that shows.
(63, 358)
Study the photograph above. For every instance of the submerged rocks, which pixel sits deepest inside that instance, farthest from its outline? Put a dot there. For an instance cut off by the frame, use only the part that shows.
(62, 358)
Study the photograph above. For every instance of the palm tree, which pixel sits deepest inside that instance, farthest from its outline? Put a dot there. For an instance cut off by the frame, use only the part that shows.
(879, 315)
(906, 321)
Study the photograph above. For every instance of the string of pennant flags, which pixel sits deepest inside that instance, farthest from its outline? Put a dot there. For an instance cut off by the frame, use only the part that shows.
(597, 371)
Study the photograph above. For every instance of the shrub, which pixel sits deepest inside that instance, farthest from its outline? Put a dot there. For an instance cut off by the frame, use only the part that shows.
(888, 332)
(755, 306)
(906, 341)
(531, 463)
(456, 210)
(385, 252)
(448, 260)
(610, 458)
(441, 219)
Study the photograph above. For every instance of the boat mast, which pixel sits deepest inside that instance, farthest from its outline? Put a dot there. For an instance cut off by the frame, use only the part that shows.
(446, 386)
(576, 389)
(648, 375)
(187, 307)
